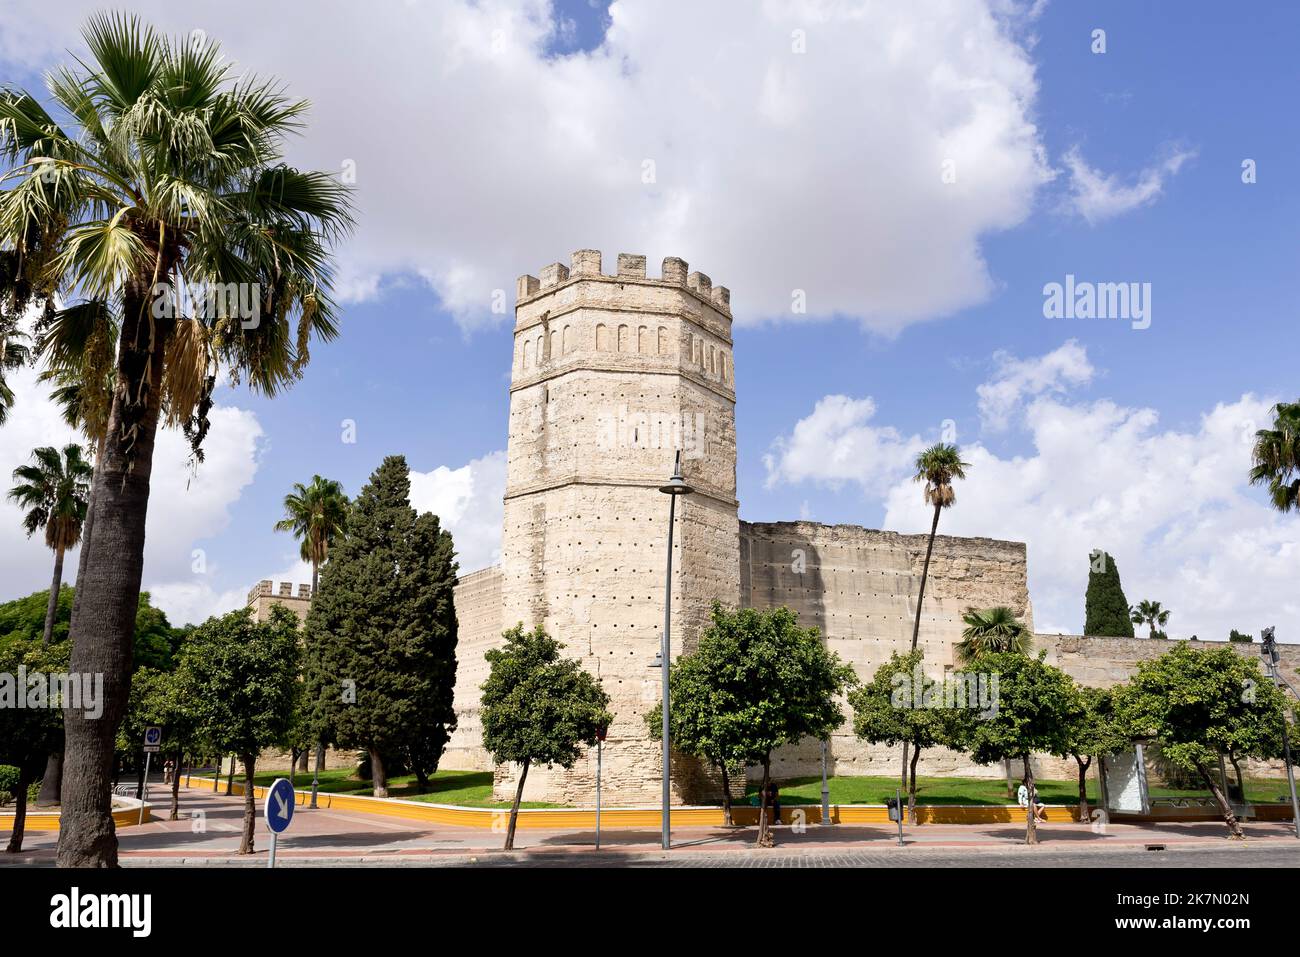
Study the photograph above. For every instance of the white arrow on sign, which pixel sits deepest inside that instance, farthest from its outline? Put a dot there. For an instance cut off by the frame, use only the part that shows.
(284, 805)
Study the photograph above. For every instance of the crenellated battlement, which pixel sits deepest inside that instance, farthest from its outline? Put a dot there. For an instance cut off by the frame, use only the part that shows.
(266, 588)
(586, 264)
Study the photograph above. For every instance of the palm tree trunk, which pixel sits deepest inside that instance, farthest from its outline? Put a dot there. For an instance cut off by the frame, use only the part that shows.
(108, 588)
(925, 573)
(49, 795)
(315, 578)
(916, 625)
(514, 808)
(378, 776)
(52, 607)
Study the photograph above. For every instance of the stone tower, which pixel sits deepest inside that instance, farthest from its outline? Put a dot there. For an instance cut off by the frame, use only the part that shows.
(612, 374)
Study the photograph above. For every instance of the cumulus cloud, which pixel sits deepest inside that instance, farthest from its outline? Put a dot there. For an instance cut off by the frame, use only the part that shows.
(468, 501)
(837, 444)
(1172, 505)
(480, 153)
(1097, 196)
(1019, 379)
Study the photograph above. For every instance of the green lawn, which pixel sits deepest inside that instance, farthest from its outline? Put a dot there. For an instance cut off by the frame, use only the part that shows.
(464, 788)
(474, 789)
(875, 790)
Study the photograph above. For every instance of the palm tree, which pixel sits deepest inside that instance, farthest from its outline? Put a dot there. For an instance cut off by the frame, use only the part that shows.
(316, 514)
(165, 172)
(14, 353)
(1276, 457)
(937, 467)
(1149, 613)
(55, 491)
(991, 630)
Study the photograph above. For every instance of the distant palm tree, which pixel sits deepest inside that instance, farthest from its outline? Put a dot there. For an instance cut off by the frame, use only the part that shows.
(937, 467)
(1149, 613)
(317, 514)
(1276, 457)
(56, 492)
(991, 630)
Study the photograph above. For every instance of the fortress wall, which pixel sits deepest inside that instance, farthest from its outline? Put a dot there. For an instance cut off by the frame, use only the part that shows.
(858, 586)
(478, 621)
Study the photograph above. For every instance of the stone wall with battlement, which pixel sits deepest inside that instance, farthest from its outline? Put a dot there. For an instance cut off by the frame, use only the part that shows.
(265, 594)
(858, 587)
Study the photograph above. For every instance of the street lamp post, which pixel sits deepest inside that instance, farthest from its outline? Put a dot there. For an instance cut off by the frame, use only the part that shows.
(675, 487)
(826, 791)
(1271, 659)
(600, 741)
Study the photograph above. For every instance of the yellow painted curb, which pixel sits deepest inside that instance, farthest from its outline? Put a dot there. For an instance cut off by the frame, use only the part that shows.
(49, 820)
(583, 818)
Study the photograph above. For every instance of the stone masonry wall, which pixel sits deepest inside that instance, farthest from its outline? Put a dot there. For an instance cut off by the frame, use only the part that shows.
(858, 586)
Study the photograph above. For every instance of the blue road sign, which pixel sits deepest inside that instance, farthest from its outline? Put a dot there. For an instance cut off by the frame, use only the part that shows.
(279, 805)
(152, 738)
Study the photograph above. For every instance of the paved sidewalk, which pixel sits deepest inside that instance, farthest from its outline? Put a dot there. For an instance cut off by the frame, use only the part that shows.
(209, 830)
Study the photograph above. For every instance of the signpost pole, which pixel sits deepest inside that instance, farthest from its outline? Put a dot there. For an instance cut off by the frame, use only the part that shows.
(274, 836)
(599, 743)
(145, 794)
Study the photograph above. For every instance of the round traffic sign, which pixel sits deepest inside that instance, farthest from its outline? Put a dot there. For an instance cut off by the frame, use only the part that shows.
(279, 805)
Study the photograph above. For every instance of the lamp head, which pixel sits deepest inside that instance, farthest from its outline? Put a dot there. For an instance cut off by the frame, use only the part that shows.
(676, 485)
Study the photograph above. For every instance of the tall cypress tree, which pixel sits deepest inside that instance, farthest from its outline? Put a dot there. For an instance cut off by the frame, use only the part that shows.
(1105, 607)
(381, 633)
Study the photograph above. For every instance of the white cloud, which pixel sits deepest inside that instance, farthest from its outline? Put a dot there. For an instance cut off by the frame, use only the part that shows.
(1097, 196)
(1172, 505)
(186, 505)
(1019, 379)
(478, 156)
(836, 444)
(468, 502)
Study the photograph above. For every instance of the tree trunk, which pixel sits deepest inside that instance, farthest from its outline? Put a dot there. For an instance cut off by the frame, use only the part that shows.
(514, 808)
(52, 606)
(911, 789)
(925, 573)
(176, 787)
(50, 784)
(230, 777)
(726, 794)
(378, 776)
(250, 806)
(302, 761)
(1083, 788)
(764, 828)
(1225, 808)
(20, 811)
(1241, 778)
(916, 624)
(1031, 819)
(108, 582)
(293, 764)
(1011, 786)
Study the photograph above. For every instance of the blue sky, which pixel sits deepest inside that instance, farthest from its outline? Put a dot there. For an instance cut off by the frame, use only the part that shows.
(1185, 98)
